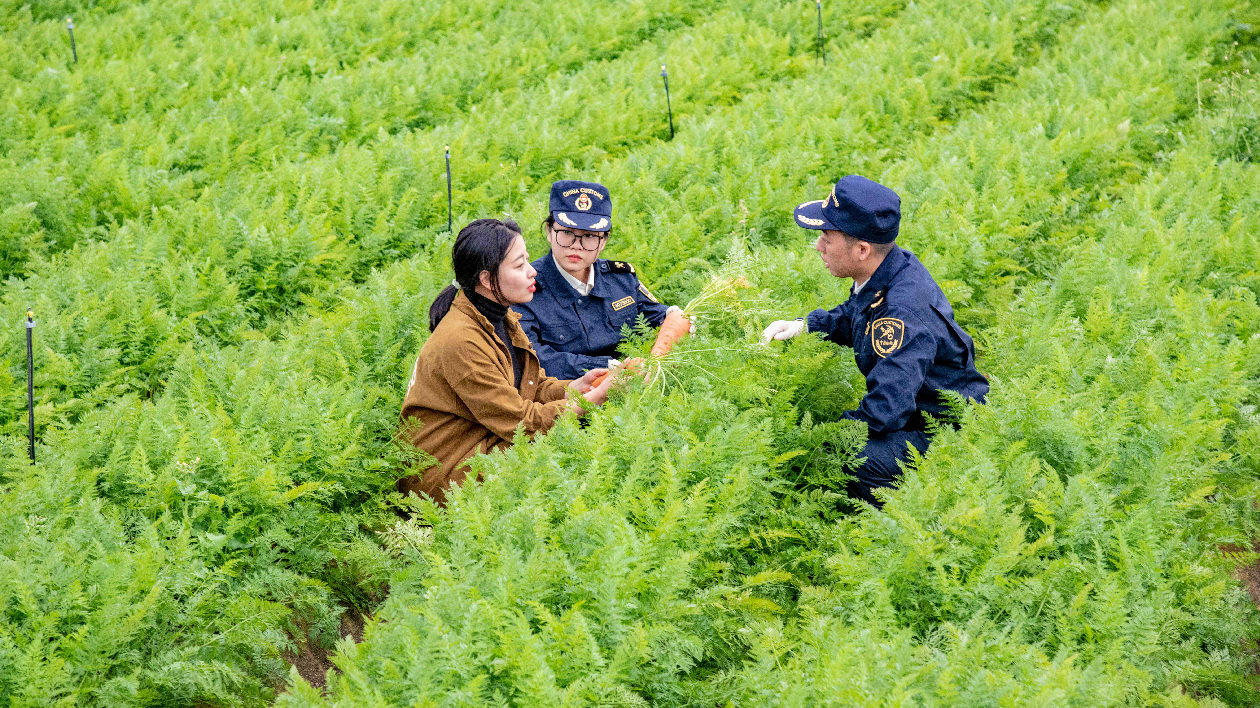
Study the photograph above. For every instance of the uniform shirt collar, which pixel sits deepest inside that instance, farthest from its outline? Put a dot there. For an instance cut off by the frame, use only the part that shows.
(582, 289)
(873, 289)
(857, 287)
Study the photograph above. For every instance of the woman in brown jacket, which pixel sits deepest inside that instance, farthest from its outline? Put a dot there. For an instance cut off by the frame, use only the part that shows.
(477, 379)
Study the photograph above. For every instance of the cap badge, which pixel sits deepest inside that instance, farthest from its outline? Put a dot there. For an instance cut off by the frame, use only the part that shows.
(887, 334)
(565, 218)
(583, 202)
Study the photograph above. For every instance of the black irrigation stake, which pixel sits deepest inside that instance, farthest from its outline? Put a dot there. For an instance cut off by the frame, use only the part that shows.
(668, 106)
(449, 225)
(30, 384)
(822, 43)
(73, 49)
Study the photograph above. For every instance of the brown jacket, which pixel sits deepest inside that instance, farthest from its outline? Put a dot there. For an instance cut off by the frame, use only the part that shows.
(461, 391)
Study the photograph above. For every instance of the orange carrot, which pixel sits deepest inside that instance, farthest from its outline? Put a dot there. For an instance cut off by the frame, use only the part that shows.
(675, 327)
(631, 365)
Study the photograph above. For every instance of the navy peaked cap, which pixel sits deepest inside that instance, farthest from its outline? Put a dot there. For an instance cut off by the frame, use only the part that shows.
(861, 208)
(581, 205)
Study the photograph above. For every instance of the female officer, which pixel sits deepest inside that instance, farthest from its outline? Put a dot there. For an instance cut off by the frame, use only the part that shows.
(477, 380)
(575, 319)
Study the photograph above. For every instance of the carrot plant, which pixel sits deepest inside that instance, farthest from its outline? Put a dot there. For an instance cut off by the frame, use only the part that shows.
(231, 288)
(271, 263)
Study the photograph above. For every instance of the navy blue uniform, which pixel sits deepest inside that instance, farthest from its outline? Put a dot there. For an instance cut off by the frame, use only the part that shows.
(907, 344)
(573, 334)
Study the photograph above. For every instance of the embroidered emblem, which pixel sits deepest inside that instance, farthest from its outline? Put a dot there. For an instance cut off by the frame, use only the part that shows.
(623, 303)
(583, 202)
(647, 293)
(620, 267)
(878, 300)
(565, 218)
(601, 224)
(887, 334)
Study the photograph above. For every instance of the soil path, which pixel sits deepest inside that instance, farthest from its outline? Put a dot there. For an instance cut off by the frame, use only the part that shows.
(313, 662)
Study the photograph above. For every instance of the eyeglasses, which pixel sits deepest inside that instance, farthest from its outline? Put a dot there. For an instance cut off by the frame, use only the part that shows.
(587, 242)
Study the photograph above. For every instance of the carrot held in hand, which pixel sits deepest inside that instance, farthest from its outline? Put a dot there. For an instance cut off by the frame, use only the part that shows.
(631, 365)
(675, 327)
(722, 287)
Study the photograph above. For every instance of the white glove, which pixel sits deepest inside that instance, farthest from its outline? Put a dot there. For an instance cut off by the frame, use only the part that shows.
(783, 329)
(671, 308)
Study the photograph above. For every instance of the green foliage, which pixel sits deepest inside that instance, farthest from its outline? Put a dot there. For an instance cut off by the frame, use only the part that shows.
(229, 221)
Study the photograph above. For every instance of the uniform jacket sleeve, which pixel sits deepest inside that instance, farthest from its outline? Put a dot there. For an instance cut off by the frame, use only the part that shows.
(563, 365)
(895, 381)
(652, 311)
(495, 403)
(836, 324)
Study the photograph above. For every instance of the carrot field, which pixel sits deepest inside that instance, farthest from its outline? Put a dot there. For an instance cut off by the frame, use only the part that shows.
(229, 219)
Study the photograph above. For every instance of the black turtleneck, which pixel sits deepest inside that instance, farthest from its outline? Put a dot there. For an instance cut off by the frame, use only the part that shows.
(497, 314)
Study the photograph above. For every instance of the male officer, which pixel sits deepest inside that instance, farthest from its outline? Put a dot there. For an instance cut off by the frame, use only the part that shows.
(582, 300)
(897, 321)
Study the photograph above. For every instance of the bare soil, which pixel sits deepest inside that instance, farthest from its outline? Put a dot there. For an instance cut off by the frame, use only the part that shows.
(313, 662)
(1249, 575)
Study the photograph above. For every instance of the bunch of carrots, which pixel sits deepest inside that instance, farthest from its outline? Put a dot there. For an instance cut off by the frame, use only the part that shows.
(675, 327)
(677, 324)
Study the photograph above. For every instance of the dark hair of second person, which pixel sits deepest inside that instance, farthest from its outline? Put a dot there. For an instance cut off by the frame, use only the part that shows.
(480, 247)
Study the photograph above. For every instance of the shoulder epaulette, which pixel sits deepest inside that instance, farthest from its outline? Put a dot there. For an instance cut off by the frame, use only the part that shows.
(620, 267)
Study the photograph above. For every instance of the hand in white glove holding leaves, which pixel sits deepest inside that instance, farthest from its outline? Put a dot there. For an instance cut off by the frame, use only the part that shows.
(783, 329)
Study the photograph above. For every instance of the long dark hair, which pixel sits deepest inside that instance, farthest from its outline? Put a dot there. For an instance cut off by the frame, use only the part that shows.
(480, 246)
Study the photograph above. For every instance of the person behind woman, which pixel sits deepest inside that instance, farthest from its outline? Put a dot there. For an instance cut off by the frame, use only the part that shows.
(583, 300)
(477, 379)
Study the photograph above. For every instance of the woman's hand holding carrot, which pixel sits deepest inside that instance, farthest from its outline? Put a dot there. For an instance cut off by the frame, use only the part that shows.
(588, 380)
(617, 368)
(593, 387)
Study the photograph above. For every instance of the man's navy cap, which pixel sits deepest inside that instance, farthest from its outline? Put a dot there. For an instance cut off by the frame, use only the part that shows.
(861, 208)
(581, 205)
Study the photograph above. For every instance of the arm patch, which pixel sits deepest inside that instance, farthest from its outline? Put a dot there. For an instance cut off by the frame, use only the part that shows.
(648, 294)
(887, 335)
